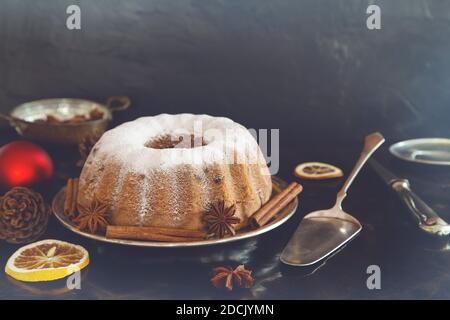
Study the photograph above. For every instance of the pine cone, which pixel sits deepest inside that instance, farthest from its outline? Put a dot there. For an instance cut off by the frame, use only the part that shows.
(23, 215)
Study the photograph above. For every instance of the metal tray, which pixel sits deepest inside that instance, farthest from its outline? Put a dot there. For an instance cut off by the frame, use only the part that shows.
(277, 184)
(427, 150)
(23, 119)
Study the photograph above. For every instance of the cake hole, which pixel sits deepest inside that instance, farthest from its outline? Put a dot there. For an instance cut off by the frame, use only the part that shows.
(178, 142)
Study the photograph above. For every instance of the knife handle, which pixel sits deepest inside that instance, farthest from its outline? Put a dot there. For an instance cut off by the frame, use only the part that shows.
(421, 211)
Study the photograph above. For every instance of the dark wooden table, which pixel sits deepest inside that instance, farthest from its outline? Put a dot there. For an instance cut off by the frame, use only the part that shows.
(412, 264)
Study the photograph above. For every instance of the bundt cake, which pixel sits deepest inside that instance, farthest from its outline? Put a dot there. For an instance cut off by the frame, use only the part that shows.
(167, 170)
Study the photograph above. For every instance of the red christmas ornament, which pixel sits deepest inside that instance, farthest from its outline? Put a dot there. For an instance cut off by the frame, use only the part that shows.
(23, 163)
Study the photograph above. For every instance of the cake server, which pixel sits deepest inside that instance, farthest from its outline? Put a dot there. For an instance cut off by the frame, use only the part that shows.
(427, 219)
(320, 233)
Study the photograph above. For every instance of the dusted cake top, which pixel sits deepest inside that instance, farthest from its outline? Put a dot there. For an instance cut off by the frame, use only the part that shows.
(165, 141)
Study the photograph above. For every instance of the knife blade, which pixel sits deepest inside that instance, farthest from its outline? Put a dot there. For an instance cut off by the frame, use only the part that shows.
(384, 173)
(428, 220)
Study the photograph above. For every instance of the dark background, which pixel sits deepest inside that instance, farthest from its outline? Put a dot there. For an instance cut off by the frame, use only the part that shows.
(308, 67)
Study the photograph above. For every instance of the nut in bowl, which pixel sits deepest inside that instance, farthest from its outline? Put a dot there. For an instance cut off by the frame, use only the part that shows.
(64, 121)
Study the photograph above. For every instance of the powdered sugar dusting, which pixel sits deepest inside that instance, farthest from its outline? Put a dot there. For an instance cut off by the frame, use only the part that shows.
(204, 187)
(175, 211)
(117, 188)
(127, 142)
(144, 204)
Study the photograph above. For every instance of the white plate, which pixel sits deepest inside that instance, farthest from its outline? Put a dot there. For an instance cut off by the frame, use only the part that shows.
(426, 150)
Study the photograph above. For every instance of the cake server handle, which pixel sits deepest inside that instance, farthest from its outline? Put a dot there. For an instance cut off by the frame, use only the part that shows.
(426, 217)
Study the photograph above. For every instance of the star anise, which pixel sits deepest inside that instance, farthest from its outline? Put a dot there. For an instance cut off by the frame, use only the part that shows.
(219, 220)
(227, 277)
(93, 217)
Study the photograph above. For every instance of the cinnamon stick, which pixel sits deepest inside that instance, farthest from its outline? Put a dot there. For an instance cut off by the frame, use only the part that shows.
(257, 216)
(69, 197)
(73, 207)
(154, 233)
(70, 202)
(274, 205)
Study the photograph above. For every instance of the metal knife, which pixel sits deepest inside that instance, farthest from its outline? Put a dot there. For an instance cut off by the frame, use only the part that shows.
(427, 219)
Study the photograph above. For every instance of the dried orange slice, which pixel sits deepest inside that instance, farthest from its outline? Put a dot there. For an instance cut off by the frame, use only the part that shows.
(46, 260)
(317, 171)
